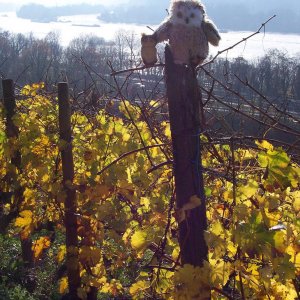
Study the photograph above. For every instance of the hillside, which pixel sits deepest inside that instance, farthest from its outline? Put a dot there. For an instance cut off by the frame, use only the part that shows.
(224, 13)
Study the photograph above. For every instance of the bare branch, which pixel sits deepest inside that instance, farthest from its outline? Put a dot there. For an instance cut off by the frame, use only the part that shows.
(236, 44)
(127, 154)
(136, 69)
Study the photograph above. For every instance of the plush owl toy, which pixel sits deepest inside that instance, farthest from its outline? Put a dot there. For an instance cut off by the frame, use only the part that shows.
(188, 31)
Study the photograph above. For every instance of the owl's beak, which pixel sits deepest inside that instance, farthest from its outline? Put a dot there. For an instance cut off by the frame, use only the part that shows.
(187, 20)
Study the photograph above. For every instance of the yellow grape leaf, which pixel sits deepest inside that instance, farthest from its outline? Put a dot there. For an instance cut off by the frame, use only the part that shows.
(28, 195)
(145, 202)
(264, 145)
(227, 195)
(99, 271)
(168, 131)
(138, 287)
(25, 219)
(280, 241)
(126, 137)
(217, 229)
(296, 203)
(232, 248)
(114, 287)
(39, 245)
(220, 272)
(61, 253)
(175, 253)
(39, 85)
(139, 240)
(90, 255)
(285, 291)
(32, 89)
(192, 281)
(247, 191)
(126, 236)
(45, 178)
(63, 285)
(26, 90)
(215, 239)
(154, 103)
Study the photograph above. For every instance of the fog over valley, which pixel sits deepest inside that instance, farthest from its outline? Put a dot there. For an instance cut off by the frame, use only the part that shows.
(228, 14)
(235, 19)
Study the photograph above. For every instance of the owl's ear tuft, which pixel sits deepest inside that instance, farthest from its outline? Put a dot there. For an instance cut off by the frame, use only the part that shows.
(199, 5)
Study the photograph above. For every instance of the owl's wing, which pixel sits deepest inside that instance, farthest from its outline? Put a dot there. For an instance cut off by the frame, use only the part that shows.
(162, 33)
(211, 32)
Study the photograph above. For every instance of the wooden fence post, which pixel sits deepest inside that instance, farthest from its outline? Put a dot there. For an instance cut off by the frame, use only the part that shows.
(65, 133)
(184, 99)
(12, 131)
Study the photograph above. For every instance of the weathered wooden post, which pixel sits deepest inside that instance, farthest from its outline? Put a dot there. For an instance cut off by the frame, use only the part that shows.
(184, 98)
(65, 133)
(10, 106)
(12, 132)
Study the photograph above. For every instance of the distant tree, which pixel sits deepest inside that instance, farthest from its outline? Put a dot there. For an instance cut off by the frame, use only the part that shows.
(86, 51)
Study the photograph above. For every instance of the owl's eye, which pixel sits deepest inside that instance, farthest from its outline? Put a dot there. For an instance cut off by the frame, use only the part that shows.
(192, 15)
(179, 14)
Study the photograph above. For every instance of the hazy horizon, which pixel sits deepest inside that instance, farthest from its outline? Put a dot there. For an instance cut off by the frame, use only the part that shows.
(150, 12)
(18, 3)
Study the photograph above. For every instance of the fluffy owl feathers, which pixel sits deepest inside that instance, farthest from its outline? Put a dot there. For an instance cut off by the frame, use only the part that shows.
(188, 31)
(190, 13)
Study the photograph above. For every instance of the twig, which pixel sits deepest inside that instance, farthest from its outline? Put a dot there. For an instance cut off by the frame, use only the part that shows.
(127, 154)
(222, 293)
(119, 93)
(136, 69)
(150, 28)
(156, 167)
(236, 44)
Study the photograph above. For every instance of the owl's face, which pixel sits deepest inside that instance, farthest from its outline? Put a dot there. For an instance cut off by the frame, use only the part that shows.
(187, 12)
